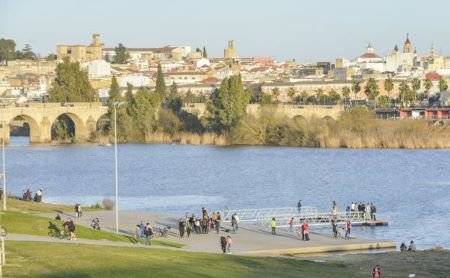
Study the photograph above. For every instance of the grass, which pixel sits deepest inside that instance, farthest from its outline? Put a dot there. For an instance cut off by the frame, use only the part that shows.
(35, 207)
(34, 259)
(24, 223)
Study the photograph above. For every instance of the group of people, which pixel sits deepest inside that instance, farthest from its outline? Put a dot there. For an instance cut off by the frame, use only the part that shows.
(27, 195)
(347, 228)
(204, 224)
(95, 223)
(78, 211)
(302, 229)
(369, 209)
(69, 228)
(144, 231)
(411, 247)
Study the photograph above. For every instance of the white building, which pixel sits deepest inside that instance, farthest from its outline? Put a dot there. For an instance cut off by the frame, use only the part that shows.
(97, 69)
(135, 80)
(370, 60)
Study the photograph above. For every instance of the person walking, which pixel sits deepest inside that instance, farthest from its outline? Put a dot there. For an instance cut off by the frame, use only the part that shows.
(291, 224)
(303, 228)
(348, 228)
(273, 224)
(229, 243)
(299, 206)
(142, 226)
(223, 244)
(334, 210)
(217, 224)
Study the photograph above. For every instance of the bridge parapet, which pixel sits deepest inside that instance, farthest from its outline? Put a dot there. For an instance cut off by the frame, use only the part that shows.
(41, 116)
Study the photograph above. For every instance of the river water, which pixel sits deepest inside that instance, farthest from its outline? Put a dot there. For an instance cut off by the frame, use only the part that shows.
(411, 188)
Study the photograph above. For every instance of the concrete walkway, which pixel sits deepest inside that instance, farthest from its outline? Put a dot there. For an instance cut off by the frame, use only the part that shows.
(250, 239)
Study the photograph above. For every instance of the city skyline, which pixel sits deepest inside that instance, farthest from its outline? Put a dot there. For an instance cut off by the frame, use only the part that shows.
(283, 31)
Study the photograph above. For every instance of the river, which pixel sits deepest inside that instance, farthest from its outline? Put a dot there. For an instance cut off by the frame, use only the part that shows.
(411, 188)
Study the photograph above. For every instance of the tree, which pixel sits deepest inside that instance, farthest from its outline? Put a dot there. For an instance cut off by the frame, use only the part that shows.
(7, 50)
(160, 83)
(428, 84)
(114, 92)
(346, 93)
(415, 84)
(26, 53)
(174, 101)
(371, 89)
(144, 107)
(291, 93)
(275, 94)
(204, 54)
(228, 104)
(383, 101)
(107, 58)
(333, 96)
(320, 97)
(50, 57)
(122, 55)
(71, 84)
(406, 94)
(356, 87)
(443, 85)
(388, 86)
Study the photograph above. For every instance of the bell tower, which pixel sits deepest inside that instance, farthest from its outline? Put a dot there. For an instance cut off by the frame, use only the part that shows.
(407, 47)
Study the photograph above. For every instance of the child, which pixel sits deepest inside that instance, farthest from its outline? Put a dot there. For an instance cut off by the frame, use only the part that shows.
(223, 244)
(229, 243)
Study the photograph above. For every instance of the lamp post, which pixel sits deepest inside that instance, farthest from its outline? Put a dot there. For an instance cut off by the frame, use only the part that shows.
(115, 105)
(3, 158)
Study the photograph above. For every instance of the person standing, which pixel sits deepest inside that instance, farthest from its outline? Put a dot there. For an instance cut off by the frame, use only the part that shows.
(188, 228)
(181, 227)
(291, 224)
(229, 243)
(374, 212)
(334, 226)
(412, 246)
(348, 228)
(306, 232)
(148, 234)
(353, 207)
(299, 206)
(71, 227)
(137, 231)
(223, 244)
(273, 224)
(334, 210)
(217, 224)
(142, 226)
(376, 272)
(303, 228)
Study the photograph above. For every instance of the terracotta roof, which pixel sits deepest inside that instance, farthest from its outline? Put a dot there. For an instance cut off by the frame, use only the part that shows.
(369, 56)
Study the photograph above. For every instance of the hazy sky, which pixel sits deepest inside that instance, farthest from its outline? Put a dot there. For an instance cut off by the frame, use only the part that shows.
(311, 30)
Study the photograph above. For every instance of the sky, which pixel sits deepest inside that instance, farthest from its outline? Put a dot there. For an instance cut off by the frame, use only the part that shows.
(308, 31)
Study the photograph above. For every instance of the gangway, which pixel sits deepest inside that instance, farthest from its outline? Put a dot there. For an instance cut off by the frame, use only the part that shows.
(311, 215)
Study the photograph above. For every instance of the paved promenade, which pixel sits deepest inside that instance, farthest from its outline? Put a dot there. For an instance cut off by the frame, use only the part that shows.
(250, 239)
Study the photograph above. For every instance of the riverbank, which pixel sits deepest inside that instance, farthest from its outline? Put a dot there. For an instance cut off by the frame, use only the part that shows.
(34, 256)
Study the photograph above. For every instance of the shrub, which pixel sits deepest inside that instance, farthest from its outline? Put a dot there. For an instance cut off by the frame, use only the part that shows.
(108, 204)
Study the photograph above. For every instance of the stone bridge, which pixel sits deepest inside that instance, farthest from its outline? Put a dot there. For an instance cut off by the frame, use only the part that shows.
(41, 116)
(282, 110)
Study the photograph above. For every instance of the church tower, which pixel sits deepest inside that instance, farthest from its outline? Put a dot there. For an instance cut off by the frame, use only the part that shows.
(407, 47)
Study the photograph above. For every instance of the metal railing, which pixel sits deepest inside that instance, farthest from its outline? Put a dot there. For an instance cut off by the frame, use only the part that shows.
(311, 215)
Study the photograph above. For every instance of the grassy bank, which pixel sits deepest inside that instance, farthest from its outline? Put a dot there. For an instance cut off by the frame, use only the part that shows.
(20, 219)
(32, 259)
(41, 207)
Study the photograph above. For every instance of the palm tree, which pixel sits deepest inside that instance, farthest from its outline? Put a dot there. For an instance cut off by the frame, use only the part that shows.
(356, 87)
(371, 89)
(443, 85)
(291, 93)
(388, 86)
(415, 84)
(346, 93)
(428, 84)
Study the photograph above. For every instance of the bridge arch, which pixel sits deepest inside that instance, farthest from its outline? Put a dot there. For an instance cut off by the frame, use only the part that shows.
(81, 132)
(35, 131)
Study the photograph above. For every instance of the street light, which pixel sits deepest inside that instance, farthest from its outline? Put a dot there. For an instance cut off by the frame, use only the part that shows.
(3, 158)
(115, 105)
